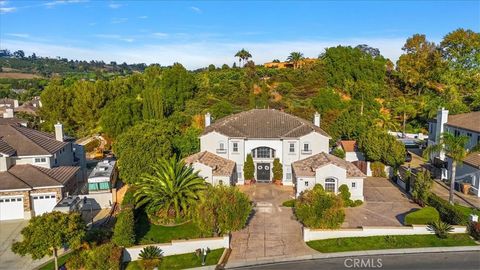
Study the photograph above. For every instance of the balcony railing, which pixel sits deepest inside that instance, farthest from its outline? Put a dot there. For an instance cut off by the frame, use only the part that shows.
(221, 151)
(306, 152)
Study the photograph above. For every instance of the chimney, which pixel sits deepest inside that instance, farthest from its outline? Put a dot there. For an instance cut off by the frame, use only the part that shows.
(15, 103)
(316, 119)
(208, 119)
(59, 132)
(8, 113)
(442, 119)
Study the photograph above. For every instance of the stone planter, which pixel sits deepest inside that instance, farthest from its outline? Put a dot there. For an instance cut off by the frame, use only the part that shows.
(277, 182)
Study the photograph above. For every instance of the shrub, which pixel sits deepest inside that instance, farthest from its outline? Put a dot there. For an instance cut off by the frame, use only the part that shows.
(318, 188)
(277, 170)
(151, 257)
(249, 168)
(448, 213)
(421, 187)
(440, 228)
(338, 152)
(474, 230)
(425, 215)
(98, 235)
(319, 210)
(378, 169)
(289, 203)
(345, 195)
(231, 216)
(103, 257)
(124, 231)
(356, 203)
(129, 199)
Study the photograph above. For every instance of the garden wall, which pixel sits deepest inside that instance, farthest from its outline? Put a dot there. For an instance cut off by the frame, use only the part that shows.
(179, 247)
(312, 234)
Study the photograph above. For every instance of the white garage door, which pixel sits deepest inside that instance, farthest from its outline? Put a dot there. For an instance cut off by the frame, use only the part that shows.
(43, 203)
(11, 208)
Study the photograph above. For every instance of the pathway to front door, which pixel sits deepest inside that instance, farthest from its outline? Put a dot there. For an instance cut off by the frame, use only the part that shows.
(272, 231)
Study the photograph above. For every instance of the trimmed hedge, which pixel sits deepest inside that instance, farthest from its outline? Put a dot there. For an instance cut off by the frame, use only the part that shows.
(289, 203)
(448, 213)
(425, 215)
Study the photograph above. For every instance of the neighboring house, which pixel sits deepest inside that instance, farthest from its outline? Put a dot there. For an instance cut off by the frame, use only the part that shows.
(8, 118)
(37, 170)
(266, 134)
(467, 124)
(30, 107)
(351, 151)
(282, 65)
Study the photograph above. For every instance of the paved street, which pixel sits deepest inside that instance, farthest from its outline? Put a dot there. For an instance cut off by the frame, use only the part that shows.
(385, 205)
(425, 261)
(10, 232)
(273, 230)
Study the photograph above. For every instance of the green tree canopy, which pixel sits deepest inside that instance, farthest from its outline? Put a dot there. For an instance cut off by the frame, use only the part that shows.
(119, 115)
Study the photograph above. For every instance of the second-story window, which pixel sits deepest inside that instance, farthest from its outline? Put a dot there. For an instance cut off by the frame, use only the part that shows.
(235, 147)
(221, 147)
(40, 160)
(291, 148)
(306, 148)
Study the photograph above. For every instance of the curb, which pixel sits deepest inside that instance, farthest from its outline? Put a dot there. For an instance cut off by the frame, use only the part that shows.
(273, 260)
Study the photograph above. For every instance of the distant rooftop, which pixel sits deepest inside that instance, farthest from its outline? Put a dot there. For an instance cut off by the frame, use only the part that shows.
(103, 169)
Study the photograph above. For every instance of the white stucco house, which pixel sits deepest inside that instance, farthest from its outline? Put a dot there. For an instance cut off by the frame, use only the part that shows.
(466, 124)
(267, 134)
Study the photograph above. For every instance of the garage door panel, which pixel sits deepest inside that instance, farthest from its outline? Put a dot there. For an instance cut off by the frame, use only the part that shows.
(11, 208)
(43, 203)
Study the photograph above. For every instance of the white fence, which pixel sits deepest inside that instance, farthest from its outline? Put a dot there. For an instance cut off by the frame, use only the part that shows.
(179, 247)
(311, 234)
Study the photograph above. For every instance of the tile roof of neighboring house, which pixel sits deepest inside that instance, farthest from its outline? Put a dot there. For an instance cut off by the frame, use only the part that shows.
(348, 146)
(6, 149)
(470, 121)
(220, 166)
(473, 159)
(307, 167)
(30, 176)
(12, 121)
(263, 123)
(7, 102)
(27, 108)
(27, 141)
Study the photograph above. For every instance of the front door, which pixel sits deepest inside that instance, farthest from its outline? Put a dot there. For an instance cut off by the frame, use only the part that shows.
(263, 172)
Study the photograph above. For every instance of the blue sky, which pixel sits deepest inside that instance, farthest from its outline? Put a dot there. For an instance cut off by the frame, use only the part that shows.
(198, 33)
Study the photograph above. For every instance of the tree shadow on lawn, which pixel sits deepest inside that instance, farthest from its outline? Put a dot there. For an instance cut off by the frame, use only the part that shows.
(401, 217)
(142, 225)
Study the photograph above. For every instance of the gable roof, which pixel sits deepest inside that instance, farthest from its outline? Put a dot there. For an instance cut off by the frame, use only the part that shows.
(30, 176)
(307, 167)
(469, 121)
(263, 123)
(473, 160)
(27, 141)
(6, 149)
(349, 146)
(220, 166)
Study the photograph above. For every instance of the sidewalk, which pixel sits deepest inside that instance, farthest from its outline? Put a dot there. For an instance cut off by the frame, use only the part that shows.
(352, 254)
(442, 190)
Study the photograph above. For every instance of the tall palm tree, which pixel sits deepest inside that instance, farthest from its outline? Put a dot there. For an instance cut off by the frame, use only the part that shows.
(455, 148)
(405, 109)
(243, 55)
(295, 58)
(385, 121)
(173, 188)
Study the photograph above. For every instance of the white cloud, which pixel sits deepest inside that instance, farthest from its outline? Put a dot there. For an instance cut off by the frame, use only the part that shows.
(92, 24)
(196, 9)
(198, 54)
(119, 20)
(63, 2)
(19, 35)
(160, 35)
(143, 17)
(114, 5)
(3, 3)
(4, 10)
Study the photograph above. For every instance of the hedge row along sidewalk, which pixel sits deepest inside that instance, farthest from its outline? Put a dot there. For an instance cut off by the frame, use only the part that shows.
(389, 242)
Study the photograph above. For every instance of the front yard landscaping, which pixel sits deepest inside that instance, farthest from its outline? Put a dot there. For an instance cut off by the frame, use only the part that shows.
(389, 242)
(148, 233)
(182, 261)
(61, 261)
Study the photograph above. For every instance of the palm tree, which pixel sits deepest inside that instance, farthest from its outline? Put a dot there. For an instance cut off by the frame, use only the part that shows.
(405, 109)
(385, 121)
(173, 188)
(243, 55)
(295, 58)
(455, 148)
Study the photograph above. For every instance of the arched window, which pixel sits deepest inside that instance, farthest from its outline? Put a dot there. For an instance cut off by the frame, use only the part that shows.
(263, 152)
(330, 185)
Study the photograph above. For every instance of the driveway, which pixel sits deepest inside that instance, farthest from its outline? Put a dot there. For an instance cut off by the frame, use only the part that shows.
(385, 205)
(10, 232)
(272, 231)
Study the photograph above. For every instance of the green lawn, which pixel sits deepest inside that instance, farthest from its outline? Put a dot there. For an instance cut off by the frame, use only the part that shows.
(148, 233)
(61, 260)
(389, 242)
(182, 261)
